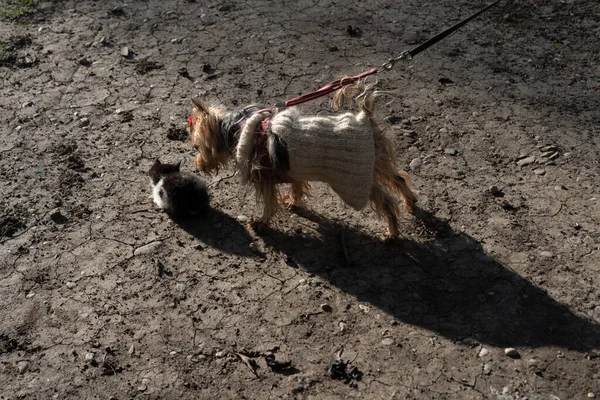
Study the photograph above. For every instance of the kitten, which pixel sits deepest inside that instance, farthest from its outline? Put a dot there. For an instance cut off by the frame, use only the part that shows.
(180, 194)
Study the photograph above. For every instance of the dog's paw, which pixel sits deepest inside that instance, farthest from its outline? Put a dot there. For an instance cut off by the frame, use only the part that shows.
(288, 201)
(388, 238)
(258, 226)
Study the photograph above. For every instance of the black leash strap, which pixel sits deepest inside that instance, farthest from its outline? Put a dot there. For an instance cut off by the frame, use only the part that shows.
(407, 55)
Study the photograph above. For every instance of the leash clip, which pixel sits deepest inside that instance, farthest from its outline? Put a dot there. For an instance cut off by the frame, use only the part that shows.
(405, 55)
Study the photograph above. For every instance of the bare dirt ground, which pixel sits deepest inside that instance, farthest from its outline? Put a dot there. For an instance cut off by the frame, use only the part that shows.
(102, 296)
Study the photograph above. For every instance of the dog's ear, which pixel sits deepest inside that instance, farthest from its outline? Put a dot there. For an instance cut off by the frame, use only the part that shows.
(200, 105)
(178, 166)
(156, 163)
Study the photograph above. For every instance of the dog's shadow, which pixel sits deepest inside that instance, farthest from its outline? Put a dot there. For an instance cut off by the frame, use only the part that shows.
(446, 284)
(219, 230)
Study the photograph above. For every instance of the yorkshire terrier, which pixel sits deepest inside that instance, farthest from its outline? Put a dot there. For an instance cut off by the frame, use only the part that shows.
(348, 151)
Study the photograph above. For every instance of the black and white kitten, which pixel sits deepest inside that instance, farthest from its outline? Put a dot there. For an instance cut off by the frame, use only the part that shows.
(180, 194)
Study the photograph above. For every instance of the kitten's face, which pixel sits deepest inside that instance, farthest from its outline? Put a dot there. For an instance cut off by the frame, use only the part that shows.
(160, 170)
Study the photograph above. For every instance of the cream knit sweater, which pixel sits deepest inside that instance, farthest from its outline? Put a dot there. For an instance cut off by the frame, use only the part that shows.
(337, 150)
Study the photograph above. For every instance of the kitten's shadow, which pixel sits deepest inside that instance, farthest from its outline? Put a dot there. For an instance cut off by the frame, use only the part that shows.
(219, 230)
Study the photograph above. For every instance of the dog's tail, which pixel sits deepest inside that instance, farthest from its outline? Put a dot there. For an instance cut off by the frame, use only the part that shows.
(359, 93)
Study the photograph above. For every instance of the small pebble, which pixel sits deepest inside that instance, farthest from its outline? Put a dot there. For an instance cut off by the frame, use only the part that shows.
(483, 352)
(89, 356)
(532, 362)
(387, 342)
(539, 171)
(148, 248)
(22, 366)
(512, 352)
(443, 130)
(84, 122)
(71, 285)
(364, 308)
(173, 353)
(546, 254)
(220, 354)
(526, 161)
(242, 218)
(142, 388)
(342, 325)
(451, 152)
(415, 164)
(487, 368)
(591, 395)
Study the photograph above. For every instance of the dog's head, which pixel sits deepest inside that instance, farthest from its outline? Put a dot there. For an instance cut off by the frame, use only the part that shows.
(203, 125)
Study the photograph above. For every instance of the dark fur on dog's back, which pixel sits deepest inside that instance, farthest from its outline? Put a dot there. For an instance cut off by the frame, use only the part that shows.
(230, 126)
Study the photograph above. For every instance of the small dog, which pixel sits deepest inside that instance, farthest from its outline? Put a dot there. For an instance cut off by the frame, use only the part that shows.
(349, 151)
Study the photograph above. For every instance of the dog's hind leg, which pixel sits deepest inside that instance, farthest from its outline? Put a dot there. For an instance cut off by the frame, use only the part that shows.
(402, 186)
(295, 197)
(386, 207)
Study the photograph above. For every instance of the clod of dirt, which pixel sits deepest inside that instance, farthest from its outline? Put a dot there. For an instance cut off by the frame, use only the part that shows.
(58, 218)
(64, 148)
(445, 81)
(10, 56)
(344, 371)
(10, 225)
(75, 163)
(126, 116)
(117, 11)
(207, 69)
(176, 133)
(145, 66)
(85, 62)
(496, 192)
(393, 119)
(184, 72)
(353, 31)
(280, 367)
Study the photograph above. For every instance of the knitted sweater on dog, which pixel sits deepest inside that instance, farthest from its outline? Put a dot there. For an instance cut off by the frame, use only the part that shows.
(338, 150)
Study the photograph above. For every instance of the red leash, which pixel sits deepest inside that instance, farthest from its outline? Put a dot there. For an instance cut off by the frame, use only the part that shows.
(325, 90)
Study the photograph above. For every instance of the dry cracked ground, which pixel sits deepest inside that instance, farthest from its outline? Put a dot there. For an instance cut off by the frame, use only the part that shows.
(104, 297)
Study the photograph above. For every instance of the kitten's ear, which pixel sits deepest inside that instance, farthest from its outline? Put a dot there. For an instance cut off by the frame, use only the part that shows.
(200, 106)
(178, 165)
(156, 163)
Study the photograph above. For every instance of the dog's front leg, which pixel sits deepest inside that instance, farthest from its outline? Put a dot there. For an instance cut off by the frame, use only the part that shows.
(266, 190)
